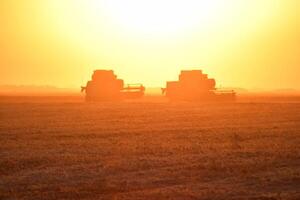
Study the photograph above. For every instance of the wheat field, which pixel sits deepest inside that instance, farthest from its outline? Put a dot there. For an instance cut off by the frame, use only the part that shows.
(149, 150)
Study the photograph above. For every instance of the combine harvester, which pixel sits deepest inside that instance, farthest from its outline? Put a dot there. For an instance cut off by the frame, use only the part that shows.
(193, 85)
(105, 86)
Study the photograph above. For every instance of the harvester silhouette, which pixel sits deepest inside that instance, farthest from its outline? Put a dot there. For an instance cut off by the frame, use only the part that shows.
(193, 85)
(105, 86)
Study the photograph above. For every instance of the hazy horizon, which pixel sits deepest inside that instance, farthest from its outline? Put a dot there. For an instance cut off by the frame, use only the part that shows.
(50, 89)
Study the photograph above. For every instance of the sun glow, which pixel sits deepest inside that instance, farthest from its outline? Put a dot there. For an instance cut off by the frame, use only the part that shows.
(158, 17)
(142, 35)
(162, 17)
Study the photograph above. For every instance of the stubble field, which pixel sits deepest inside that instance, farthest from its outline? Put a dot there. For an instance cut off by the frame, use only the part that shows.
(149, 150)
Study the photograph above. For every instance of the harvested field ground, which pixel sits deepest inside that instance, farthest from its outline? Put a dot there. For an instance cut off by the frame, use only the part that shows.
(149, 150)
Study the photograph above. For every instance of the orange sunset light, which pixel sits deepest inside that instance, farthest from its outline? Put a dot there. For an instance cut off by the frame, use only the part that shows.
(248, 43)
(150, 99)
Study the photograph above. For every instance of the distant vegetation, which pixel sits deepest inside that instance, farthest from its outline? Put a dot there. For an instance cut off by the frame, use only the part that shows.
(35, 90)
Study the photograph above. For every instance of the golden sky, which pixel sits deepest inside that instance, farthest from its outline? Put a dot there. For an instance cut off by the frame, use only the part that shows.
(241, 43)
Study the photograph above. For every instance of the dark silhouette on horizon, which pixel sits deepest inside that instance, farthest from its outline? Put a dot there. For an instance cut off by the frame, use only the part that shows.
(193, 85)
(105, 86)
